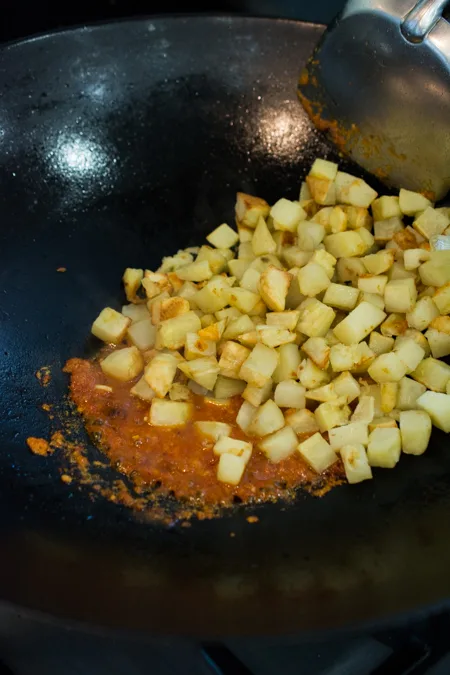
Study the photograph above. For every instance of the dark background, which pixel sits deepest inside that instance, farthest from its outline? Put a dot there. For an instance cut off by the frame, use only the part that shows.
(26, 17)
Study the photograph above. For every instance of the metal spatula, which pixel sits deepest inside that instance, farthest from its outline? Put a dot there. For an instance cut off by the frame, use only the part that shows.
(379, 84)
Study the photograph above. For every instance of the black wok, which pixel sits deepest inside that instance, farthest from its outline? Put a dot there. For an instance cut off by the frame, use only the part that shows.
(120, 144)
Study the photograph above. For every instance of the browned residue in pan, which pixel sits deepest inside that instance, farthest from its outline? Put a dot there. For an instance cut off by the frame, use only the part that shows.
(44, 376)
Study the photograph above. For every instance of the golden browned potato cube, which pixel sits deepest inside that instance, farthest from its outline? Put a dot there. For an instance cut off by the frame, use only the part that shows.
(311, 376)
(273, 287)
(394, 325)
(287, 319)
(323, 190)
(169, 413)
(110, 326)
(196, 347)
(274, 336)
(216, 258)
(160, 373)
(323, 168)
(385, 207)
(262, 240)
(280, 445)
(384, 230)
(315, 318)
(350, 269)
(380, 262)
(172, 332)
(213, 332)
(132, 279)
(415, 430)
(373, 283)
(389, 392)
(318, 351)
(250, 209)
(317, 453)
(123, 364)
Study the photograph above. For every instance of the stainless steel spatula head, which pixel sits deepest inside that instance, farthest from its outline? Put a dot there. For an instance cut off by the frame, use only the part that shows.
(379, 84)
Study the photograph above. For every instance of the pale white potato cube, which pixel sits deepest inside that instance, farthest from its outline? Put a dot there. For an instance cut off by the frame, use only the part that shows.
(245, 251)
(372, 299)
(338, 220)
(315, 318)
(323, 215)
(387, 368)
(286, 319)
(386, 207)
(172, 332)
(249, 209)
(323, 168)
(250, 280)
(142, 390)
(408, 392)
(323, 394)
(274, 336)
(196, 347)
(226, 387)
(243, 324)
(409, 353)
(231, 445)
(132, 279)
(223, 237)
(259, 365)
(318, 351)
(412, 202)
(237, 267)
(342, 358)
(368, 239)
(311, 376)
(431, 222)
(135, 312)
(359, 323)
(262, 240)
(349, 434)
(172, 263)
(384, 230)
(213, 430)
(441, 299)
(356, 464)
(110, 326)
(363, 357)
(346, 386)
(313, 279)
(394, 325)
(341, 297)
(280, 445)
(216, 258)
(422, 314)
(160, 373)
(310, 235)
(245, 416)
(142, 334)
(290, 394)
(230, 468)
(317, 453)
(434, 374)
(258, 395)
(267, 419)
(179, 392)
(380, 344)
(385, 446)
(415, 430)
(323, 190)
(400, 295)
(436, 271)
(437, 405)
(288, 362)
(389, 392)
(273, 287)
(242, 299)
(439, 342)
(204, 371)
(196, 271)
(380, 262)
(331, 414)
(365, 410)
(249, 339)
(305, 194)
(353, 191)
(302, 421)
(169, 413)
(349, 270)
(123, 364)
(326, 260)
(231, 359)
(414, 257)
(295, 256)
(373, 283)
(212, 297)
(346, 244)
(286, 215)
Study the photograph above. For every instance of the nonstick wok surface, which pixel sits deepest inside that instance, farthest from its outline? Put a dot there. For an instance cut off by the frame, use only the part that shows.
(120, 144)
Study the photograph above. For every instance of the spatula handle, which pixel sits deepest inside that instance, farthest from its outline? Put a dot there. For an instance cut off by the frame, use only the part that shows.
(421, 19)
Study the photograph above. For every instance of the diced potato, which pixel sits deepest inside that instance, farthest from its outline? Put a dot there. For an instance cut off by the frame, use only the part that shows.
(342, 357)
(408, 392)
(341, 297)
(323, 215)
(238, 267)
(214, 430)
(245, 252)
(326, 260)
(280, 445)
(384, 447)
(142, 334)
(231, 359)
(179, 392)
(323, 190)
(212, 297)
(373, 283)
(273, 287)
(394, 325)
(274, 336)
(262, 240)
(313, 279)
(380, 344)
(196, 347)
(132, 279)
(359, 323)
(258, 395)
(290, 394)
(372, 299)
(226, 387)
(357, 217)
(172, 307)
(338, 220)
(203, 370)
(384, 230)
(365, 410)
(302, 421)
(172, 332)
(383, 422)
(346, 244)
(169, 413)
(261, 263)
(389, 391)
(434, 374)
(323, 168)
(213, 332)
(380, 262)
(387, 368)
(368, 239)
(223, 237)
(415, 430)
(245, 416)
(386, 207)
(349, 434)
(288, 362)
(250, 209)
(346, 386)
(287, 215)
(353, 191)
(350, 269)
(160, 373)
(437, 405)
(172, 263)
(135, 312)
(258, 311)
(259, 365)
(400, 295)
(187, 291)
(331, 414)
(311, 376)
(225, 444)
(414, 257)
(310, 235)
(196, 271)
(431, 222)
(267, 419)
(422, 314)
(315, 318)
(287, 319)
(110, 326)
(439, 342)
(123, 364)
(242, 299)
(409, 353)
(317, 453)
(318, 351)
(142, 390)
(250, 280)
(206, 320)
(412, 202)
(436, 271)
(295, 256)
(230, 468)
(236, 327)
(356, 464)
(441, 299)
(363, 357)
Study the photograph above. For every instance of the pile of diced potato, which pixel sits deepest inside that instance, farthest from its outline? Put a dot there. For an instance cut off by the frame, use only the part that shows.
(327, 315)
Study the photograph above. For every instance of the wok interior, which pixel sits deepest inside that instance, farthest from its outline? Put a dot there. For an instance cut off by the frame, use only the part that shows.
(121, 144)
